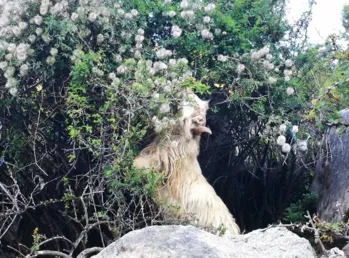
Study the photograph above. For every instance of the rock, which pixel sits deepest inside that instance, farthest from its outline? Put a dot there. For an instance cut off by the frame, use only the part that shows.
(332, 175)
(190, 242)
(334, 253)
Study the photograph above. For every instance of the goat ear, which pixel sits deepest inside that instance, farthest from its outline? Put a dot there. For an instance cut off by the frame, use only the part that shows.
(202, 129)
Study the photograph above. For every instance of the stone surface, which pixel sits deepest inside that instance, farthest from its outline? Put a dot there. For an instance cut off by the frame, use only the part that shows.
(332, 174)
(190, 242)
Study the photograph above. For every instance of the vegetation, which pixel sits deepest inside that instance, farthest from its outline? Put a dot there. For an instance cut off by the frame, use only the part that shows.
(86, 84)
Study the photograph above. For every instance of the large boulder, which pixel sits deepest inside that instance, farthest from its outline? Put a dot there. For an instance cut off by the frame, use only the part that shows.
(190, 242)
(331, 180)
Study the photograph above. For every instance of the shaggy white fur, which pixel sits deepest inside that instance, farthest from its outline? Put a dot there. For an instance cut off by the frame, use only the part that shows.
(186, 192)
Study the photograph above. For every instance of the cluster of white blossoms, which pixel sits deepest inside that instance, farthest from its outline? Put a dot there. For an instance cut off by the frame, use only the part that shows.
(266, 59)
(176, 31)
(281, 140)
(222, 58)
(163, 53)
(206, 34)
(164, 123)
(118, 30)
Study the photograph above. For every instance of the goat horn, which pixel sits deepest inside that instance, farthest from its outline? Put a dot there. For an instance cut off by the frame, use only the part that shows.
(202, 129)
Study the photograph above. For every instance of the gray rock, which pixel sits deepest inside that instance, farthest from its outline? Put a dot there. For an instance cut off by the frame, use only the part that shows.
(332, 175)
(190, 242)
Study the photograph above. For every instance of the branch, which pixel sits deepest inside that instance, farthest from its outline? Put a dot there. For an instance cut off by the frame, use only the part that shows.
(88, 251)
(55, 238)
(50, 253)
(84, 232)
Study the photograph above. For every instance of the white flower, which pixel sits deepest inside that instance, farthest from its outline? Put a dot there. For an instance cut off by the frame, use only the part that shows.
(287, 73)
(45, 2)
(23, 70)
(160, 66)
(100, 38)
(92, 17)
(255, 56)
(187, 14)
(3, 45)
(37, 20)
(167, 89)
(118, 58)
(8, 57)
(74, 17)
(22, 48)
(22, 25)
(105, 12)
(217, 31)
(269, 57)
(184, 4)
(277, 69)
(139, 38)
(171, 13)
(137, 54)
(112, 76)
(290, 91)
(283, 128)
(138, 45)
(172, 62)
(11, 82)
(183, 61)
(167, 1)
(176, 31)
(3, 65)
(206, 34)
(209, 8)
(264, 51)
(272, 80)
(140, 31)
(43, 9)
(16, 31)
(151, 71)
(13, 91)
(288, 63)
(121, 69)
(9, 72)
(286, 148)
(207, 19)
(121, 12)
(116, 82)
(46, 38)
(39, 31)
(281, 140)
(287, 78)
(156, 97)
(4, 21)
(122, 49)
(50, 60)
(11, 48)
(168, 52)
(128, 16)
(164, 108)
(21, 56)
(54, 51)
(295, 129)
(134, 12)
(162, 53)
(240, 68)
(267, 65)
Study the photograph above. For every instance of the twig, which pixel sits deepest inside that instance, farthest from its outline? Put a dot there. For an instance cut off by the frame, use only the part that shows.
(88, 251)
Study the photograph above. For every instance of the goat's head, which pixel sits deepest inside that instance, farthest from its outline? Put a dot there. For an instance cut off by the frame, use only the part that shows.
(198, 125)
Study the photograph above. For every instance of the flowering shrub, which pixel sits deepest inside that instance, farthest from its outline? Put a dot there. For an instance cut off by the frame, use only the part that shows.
(85, 82)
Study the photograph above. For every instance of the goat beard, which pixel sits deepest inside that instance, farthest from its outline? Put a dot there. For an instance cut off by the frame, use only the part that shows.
(201, 129)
